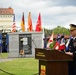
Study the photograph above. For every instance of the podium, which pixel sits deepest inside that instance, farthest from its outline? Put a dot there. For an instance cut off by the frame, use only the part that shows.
(52, 62)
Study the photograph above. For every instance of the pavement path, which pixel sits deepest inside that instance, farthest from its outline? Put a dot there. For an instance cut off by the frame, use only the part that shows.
(5, 59)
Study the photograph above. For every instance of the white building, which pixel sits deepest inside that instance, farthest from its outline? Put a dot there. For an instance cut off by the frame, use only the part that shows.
(6, 19)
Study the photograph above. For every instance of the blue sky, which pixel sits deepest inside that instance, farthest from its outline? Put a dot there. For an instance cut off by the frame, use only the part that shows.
(53, 12)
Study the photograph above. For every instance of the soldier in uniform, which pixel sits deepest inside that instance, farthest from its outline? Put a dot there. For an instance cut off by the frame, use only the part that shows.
(72, 50)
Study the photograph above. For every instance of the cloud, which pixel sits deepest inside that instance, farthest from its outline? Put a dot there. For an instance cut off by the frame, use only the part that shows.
(62, 3)
(53, 12)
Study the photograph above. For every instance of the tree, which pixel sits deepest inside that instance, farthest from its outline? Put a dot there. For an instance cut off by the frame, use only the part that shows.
(57, 30)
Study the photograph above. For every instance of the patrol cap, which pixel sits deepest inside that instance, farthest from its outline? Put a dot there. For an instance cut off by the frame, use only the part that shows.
(72, 26)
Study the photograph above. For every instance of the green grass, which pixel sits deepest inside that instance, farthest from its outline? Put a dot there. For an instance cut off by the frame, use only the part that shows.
(20, 66)
(3, 55)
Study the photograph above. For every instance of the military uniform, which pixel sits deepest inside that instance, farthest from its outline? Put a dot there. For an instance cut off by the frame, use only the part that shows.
(72, 48)
(72, 64)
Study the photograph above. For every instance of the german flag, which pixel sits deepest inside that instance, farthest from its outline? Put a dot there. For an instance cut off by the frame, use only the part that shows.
(23, 23)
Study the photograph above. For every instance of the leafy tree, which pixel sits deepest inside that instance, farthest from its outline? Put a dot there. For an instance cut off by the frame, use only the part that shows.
(57, 30)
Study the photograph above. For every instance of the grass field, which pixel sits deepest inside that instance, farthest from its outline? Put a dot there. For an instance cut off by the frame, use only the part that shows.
(3, 55)
(19, 66)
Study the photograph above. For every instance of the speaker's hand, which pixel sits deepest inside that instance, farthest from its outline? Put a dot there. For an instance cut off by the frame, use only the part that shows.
(69, 53)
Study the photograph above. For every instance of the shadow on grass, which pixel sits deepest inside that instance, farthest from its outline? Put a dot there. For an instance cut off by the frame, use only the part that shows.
(6, 72)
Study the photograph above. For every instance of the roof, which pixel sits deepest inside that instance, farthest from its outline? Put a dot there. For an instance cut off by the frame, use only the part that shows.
(6, 11)
(55, 36)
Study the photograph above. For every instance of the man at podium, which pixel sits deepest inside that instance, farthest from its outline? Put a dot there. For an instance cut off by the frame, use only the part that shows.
(72, 50)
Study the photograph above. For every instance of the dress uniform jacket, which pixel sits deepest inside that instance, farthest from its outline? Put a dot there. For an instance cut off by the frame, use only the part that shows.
(72, 48)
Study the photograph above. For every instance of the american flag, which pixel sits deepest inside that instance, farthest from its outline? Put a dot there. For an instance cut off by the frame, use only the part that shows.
(14, 25)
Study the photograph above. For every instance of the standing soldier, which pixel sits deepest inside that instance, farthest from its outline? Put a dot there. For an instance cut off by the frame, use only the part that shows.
(72, 50)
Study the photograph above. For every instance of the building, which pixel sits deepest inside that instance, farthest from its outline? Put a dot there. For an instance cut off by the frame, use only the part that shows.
(66, 37)
(6, 19)
(55, 37)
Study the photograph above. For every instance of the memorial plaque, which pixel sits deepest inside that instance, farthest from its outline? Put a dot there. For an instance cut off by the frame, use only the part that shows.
(25, 43)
